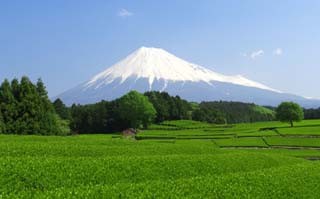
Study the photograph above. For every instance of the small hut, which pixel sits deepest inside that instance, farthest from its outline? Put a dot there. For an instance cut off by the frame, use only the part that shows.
(129, 133)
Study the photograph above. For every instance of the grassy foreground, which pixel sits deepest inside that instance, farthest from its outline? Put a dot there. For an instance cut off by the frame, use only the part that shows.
(178, 159)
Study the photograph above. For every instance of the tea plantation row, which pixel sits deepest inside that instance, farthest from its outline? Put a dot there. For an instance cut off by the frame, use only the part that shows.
(186, 160)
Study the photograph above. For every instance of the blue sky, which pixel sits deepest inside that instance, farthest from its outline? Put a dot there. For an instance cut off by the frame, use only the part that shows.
(65, 42)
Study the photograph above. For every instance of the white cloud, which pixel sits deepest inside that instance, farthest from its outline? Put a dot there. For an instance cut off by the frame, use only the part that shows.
(124, 13)
(256, 54)
(312, 98)
(278, 52)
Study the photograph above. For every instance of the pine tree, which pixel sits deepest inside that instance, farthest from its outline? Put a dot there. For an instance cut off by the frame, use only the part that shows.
(26, 109)
(7, 107)
(49, 121)
(15, 89)
(42, 89)
(2, 125)
(43, 94)
(29, 108)
(15, 86)
(61, 109)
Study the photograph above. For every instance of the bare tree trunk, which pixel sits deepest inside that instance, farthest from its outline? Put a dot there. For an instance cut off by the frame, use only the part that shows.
(291, 123)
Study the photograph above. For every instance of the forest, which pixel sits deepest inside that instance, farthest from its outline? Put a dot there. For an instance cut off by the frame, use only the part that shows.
(25, 108)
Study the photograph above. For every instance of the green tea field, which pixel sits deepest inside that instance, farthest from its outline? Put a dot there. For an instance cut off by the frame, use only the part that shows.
(177, 159)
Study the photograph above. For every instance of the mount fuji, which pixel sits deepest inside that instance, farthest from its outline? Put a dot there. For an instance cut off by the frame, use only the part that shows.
(148, 69)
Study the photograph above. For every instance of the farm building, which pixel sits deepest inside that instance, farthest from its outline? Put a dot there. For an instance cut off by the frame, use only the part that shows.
(129, 132)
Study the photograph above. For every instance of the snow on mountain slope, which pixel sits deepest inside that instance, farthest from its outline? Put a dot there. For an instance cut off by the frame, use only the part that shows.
(149, 69)
(155, 64)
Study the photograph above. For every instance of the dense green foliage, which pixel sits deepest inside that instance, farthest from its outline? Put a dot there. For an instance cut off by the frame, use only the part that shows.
(93, 118)
(61, 109)
(289, 112)
(231, 112)
(195, 163)
(26, 109)
(169, 107)
(2, 126)
(130, 111)
(312, 113)
(135, 110)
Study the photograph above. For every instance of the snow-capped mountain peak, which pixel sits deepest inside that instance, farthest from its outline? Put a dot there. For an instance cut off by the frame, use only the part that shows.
(158, 64)
(154, 69)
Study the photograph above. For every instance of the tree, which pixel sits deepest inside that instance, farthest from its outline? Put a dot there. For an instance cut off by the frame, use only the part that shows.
(220, 120)
(41, 89)
(169, 107)
(29, 109)
(15, 86)
(312, 113)
(61, 109)
(134, 110)
(209, 115)
(2, 126)
(289, 112)
(8, 106)
(94, 118)
(160, 104)
(232, 112)
(26, 109)
(49, 120)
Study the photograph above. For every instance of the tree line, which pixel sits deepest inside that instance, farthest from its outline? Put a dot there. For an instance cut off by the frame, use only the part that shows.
(26, 109)
(133, 110)
(312, 113)
(221, 112)
(309, 113)
(105, 117)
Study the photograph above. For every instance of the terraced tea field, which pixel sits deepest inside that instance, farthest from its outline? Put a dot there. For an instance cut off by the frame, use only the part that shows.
(177, 159)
